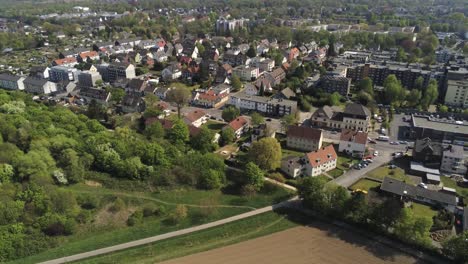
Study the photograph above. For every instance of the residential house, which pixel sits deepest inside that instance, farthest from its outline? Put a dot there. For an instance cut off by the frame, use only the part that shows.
(88, 55)
(246, 73)
(276, 76)
(238, 125)
(172, 72)
(39, 86)
(234, 59)
(353, 143)
(250, 89)
(160, 56)
(132, 103)
(453, 160)
(99, 95)
(161, 92)
(115, 71)
(287, 93)
(293, 53)
(211, 98)
(428, 152)
(223, 73)
(261, 131)
(11, 82)
(411, 193)
(311, 164)
(195, 118)
(67, 62)
(304, 138)
(136, 86)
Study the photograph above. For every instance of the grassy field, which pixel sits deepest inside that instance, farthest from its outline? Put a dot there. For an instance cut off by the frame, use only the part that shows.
(364, 184)
(203, 207)
(382, 172)
(290, 152)
(231, 233)
(452, 184)
(423, 210)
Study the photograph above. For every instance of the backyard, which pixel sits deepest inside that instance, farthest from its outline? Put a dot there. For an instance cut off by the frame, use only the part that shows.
(396, 173)
(450, 183)
(364, 184)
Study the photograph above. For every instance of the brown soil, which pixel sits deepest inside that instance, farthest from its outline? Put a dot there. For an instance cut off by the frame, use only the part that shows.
(105, 217)
(302, 245)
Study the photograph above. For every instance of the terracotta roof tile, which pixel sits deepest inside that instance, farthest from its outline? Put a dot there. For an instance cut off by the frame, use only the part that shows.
(321, 156)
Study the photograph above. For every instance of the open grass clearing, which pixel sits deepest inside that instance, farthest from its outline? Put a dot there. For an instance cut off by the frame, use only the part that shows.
(448, 182)
(422, 210)
(382, 172)
(215, 126)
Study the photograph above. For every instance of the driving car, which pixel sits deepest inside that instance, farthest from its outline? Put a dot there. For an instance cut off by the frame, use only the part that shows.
(394, 143)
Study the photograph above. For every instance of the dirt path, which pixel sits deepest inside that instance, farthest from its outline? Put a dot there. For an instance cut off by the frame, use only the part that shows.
(302, 245)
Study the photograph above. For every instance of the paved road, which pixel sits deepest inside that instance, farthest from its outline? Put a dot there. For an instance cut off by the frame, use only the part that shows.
(153, 239)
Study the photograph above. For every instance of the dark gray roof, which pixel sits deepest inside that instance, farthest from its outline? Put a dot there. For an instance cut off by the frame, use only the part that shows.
(288, 93)
(427, 145)
(357, 109)
(400, 188)
(9, 77)
(326, 110)
(131, 100)
(35, 81)
(99, 94)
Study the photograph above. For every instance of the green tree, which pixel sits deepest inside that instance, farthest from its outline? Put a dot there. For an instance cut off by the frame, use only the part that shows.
(117, 94)
(414, 97)
(311, 191)
(254, 176)
(443, 108)
(366, 85)
(430, 95)
(266, 153)
(203, 141)
(211, 179)
(401, 55)
(335, 98)
(236, 82)
(393, 90)
(179, 133)
(419, 83)
(288, 120)
(230, 113)
(227, 136)
(456, 247)
(180, 97)
(6, 173)
(251, 52)
(257, 119)
(154, 131)
(413, 229)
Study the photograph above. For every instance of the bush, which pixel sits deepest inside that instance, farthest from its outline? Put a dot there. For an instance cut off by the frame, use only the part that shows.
(135, 218)
(87, 201)
(118, 205)
(179, 214)
(248, 190)
(150, 210)
(84, 217)
(277, 177)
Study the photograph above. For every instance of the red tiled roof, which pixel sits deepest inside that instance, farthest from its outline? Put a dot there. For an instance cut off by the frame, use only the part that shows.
(238, 123)
(304, 132)
(194, 115)
(90, 54)
(166, 124)
(64, 61)
(353, 136)
(211, 96)
(321, 156)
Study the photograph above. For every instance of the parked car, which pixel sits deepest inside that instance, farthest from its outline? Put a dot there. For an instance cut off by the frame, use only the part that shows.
(376, 153)
(392, 166)
(422, 185)
(403, 142)
(372, 141)
(334, 132)
(268, 119)
(394, 143)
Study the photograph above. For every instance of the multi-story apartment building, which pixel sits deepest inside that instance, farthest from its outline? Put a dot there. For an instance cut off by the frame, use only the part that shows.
(11, 82)
(331, 84)
(311, 164)
(88, 78)
(61, 73)
(265, 105)
(457, 88)
(39, 86)
(453, 160)
(246, 73)
(224, 25)
(354, 117)
(114, 71)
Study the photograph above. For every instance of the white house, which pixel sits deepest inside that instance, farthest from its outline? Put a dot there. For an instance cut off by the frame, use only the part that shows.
(353, 142)
(171, 73)
(311, 164)
(195, 118)
(238, 125)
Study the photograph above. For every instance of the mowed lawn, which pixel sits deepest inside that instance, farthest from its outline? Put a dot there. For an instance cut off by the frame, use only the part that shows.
(220, 236)
(422, 210)
(364, 184)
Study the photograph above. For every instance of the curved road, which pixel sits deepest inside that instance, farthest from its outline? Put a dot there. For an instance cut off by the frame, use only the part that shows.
(153, 239)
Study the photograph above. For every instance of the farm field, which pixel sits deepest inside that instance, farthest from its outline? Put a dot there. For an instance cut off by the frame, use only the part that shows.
(302, 244)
